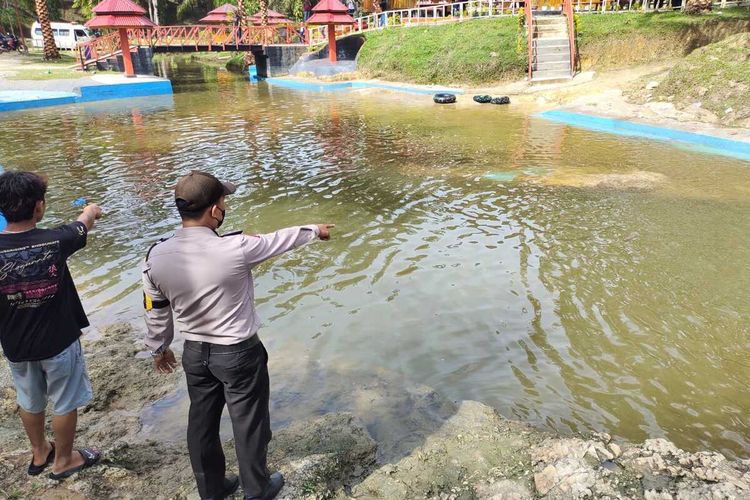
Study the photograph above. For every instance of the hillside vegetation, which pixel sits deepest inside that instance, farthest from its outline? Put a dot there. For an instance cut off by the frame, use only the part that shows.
(471, 52)
(716, 76)
(488, 50)
(610, 41)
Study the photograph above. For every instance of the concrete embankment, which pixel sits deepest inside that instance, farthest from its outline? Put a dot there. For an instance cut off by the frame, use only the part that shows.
(454, 450)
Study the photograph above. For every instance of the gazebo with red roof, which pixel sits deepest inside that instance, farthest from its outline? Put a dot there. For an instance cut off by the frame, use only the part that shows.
(121, 15)
(221, 15)
(330, 13)
(273, 18)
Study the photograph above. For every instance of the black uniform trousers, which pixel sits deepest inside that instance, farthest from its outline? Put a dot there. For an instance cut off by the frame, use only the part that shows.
(235, 375)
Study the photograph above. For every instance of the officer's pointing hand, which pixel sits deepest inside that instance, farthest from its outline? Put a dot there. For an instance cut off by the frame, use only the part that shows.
(325, 231)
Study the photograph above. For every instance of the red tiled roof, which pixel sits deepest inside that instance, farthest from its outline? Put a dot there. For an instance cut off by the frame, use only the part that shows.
(330, 18)
(224, 9)
(118, 7)
(119, 21)
(216, 19)
(333, 6)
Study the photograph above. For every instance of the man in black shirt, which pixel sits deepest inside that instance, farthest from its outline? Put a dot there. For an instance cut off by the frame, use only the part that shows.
(41, 318)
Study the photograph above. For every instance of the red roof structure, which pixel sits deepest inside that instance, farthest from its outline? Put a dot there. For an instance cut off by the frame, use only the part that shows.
(330, 12)
(110, 21)
(119, 14)
(273, 18)
(221, 15)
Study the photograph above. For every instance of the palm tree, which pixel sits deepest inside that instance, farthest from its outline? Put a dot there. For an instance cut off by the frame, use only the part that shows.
(50, 49)
(242, 13)
(263, 12)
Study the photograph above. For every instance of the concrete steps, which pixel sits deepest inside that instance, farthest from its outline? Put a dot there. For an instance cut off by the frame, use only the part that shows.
(550, 53)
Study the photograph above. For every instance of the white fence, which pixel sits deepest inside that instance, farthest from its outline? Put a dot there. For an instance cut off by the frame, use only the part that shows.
(477, 9)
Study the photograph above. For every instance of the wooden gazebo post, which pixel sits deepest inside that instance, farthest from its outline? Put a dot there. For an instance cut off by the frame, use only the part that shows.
(330, 13)
(121, 15)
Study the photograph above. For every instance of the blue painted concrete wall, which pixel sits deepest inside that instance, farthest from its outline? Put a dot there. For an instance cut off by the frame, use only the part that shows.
(89, 93)
(124, 90)
(708, 143)
(27, 103)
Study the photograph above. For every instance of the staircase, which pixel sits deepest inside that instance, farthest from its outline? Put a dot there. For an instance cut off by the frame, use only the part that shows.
(550, 47)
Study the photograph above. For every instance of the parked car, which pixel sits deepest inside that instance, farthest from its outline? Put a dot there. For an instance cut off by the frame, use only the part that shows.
(67, 35)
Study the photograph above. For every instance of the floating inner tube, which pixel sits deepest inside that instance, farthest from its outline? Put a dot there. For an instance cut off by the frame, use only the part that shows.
(444, 98)
(501, 100)
(482, 99)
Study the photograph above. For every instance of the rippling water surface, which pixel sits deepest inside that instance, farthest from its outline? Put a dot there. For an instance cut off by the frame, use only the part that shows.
(480, 251)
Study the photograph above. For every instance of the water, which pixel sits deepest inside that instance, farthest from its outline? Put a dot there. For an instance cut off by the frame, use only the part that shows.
(479, 251)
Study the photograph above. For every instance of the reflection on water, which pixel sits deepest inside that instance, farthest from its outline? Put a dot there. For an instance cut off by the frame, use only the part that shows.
(574, 280)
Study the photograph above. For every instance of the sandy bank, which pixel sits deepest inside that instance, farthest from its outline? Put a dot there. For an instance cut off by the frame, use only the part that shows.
(623, 94)
(465, 450)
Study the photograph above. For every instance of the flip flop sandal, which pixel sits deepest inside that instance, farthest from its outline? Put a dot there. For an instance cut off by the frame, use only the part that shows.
(90, 457)
(35, 470)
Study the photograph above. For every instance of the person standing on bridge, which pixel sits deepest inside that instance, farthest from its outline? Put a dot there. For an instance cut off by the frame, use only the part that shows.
(206, 281)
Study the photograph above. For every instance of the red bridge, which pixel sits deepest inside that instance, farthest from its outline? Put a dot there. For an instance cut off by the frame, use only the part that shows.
(199, 38)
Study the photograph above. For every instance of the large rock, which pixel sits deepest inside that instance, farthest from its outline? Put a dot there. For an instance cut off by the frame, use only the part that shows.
(578, 468)
(475, 454)
(668, 470)
(323, 456)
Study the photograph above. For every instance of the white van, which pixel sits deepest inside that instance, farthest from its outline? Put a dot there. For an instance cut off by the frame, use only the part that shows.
(67, 35)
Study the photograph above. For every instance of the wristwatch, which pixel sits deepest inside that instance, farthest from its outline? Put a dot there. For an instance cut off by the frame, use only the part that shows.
(158, 352)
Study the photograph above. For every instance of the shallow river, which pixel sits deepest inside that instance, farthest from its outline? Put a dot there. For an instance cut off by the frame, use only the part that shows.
(480, 251)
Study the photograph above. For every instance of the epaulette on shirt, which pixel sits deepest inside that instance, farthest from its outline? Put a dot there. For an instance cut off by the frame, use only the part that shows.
(231, 233)
(162, 240)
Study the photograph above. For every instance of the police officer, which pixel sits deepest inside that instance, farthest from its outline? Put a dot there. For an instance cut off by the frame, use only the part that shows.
(205, 282)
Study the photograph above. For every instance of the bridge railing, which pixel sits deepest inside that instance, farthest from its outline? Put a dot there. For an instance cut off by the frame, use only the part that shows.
(198, 37)
(417, 16)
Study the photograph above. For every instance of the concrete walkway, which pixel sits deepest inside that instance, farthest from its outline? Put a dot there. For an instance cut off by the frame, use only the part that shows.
(18, 95)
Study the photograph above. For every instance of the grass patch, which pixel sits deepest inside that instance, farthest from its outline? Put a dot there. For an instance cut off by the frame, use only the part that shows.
(651, 23)
(485, 51)
(36, 56)
(472, 52)
(32, 66)
(608, 41)
(717, 76)
(47, 74)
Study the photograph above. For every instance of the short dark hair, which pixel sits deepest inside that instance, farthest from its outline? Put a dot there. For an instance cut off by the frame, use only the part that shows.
(19, 192)
(193, 214)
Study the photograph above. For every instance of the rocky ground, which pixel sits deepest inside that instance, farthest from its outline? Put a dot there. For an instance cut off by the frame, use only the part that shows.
(473, 453)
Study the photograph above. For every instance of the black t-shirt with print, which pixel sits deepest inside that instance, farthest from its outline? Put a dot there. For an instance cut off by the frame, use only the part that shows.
(40, 311)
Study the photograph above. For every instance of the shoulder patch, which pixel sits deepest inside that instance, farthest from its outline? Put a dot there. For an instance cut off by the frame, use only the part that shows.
(231, 233)
(162, 240)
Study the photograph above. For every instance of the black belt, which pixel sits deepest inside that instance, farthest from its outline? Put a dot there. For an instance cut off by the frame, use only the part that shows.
(207, 348)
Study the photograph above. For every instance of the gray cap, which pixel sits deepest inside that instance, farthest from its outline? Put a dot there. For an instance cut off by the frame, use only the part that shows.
(198, 190)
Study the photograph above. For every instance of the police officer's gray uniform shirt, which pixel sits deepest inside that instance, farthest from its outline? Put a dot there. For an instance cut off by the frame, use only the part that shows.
(206, 281)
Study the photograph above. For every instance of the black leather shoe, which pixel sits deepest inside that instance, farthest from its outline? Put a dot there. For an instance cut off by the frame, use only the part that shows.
(275, 483)
(231, 483)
